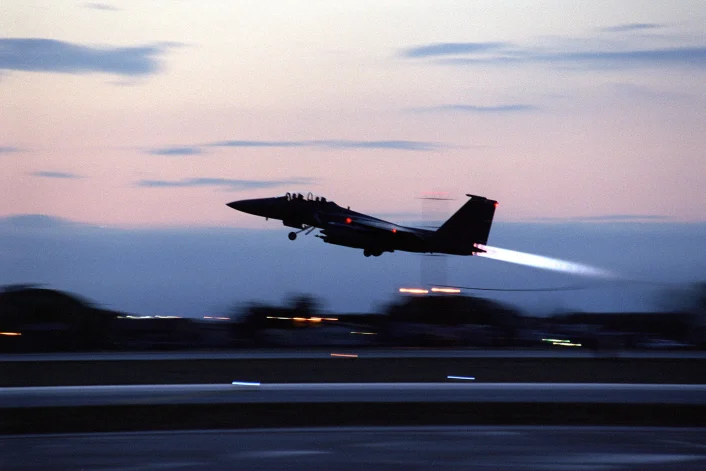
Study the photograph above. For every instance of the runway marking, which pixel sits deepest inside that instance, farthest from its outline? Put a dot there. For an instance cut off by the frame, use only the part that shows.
(469, 378)
(244, 383)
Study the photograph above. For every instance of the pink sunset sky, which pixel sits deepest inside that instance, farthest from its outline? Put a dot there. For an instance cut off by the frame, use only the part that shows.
(151, 113)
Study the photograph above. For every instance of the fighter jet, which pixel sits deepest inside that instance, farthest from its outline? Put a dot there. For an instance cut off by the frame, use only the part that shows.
(459, 235)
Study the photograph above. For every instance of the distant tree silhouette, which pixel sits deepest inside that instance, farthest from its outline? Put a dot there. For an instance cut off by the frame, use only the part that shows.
(303, 305)
(452, 310)
(50, 320)
(500, 322)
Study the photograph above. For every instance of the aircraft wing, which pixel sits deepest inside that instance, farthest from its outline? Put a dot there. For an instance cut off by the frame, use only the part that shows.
(371, 225)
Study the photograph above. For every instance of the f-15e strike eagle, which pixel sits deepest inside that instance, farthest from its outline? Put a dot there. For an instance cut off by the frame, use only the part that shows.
(459, 235)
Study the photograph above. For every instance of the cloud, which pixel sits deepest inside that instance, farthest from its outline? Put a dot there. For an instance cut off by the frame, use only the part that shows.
(34, 221)
(446, 49)
(185, 150)
(225, 183)
(691, 56)
(238, 143)
(8, 149)
(678, 55)
(516, 107)
(49, 55)
(396, 145)
(631, 27)
(608, 218)
(472, 55)
(623, 217)
(335, 144)
(50, 174)
(100, 6)
(322, 144)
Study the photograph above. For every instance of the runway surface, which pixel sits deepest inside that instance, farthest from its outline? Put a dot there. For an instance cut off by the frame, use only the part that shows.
(562, 352)
(366, 448)
(465, 391)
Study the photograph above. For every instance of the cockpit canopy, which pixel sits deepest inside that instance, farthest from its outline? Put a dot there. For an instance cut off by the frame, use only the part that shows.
(309, 197)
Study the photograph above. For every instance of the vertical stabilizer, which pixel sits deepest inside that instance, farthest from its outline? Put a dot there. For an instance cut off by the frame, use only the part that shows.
(471, 223)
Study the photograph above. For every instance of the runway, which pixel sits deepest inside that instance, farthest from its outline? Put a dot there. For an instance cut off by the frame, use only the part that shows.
(369, 448)
(448, 392)
(364, 353)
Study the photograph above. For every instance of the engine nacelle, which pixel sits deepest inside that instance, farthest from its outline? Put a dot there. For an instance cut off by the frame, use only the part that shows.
(294, 224)
(354, 242)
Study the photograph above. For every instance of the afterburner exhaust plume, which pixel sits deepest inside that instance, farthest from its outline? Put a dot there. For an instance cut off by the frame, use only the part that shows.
(539, 261)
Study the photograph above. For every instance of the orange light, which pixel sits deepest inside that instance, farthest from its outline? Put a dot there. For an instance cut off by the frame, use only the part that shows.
(11, 334)
(315, 319)
(496, 204)
(446, 290)
(349, 220)
(300, 319)
(394, 231)
(414, 290)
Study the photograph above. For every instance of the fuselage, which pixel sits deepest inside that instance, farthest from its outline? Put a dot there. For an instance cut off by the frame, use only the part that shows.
(342, 226)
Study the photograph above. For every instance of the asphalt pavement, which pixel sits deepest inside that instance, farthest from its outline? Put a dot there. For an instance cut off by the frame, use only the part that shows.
(365, 448)
(362, 352)
(453, 391)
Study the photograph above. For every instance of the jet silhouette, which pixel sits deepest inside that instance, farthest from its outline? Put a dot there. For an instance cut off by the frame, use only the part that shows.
(459, 235)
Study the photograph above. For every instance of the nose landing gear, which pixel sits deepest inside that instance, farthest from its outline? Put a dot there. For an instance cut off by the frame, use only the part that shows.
(293, 235)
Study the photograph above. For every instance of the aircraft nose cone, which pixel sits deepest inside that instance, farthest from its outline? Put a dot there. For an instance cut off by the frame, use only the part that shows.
(242, 205)
(255, 206)
(235, 205)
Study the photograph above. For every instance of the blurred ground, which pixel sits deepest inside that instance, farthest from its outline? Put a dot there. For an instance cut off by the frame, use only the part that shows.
(364, 365)
(355, 448)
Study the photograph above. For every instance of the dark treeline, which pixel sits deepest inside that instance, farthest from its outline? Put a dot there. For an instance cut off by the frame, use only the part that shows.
(35, 319)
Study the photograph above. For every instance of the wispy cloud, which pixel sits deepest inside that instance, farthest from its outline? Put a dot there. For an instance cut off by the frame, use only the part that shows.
(50, 55)
(241, 143)
(608, 218)
(403, 145)
(225, 183)
(100, 6)
(185, 150)
(631, 27)
(677, 55)
(515, 107)
(50, 174)
(501, 53)
(447, 49)
(395, 145)
(623, 217)
(335, 144)
(8, 149)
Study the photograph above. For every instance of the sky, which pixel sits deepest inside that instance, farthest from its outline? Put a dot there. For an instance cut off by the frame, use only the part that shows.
(584, 119)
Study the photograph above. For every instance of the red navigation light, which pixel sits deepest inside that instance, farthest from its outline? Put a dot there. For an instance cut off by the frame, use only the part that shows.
(496, 204)
(349, 220)
(394, 231)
